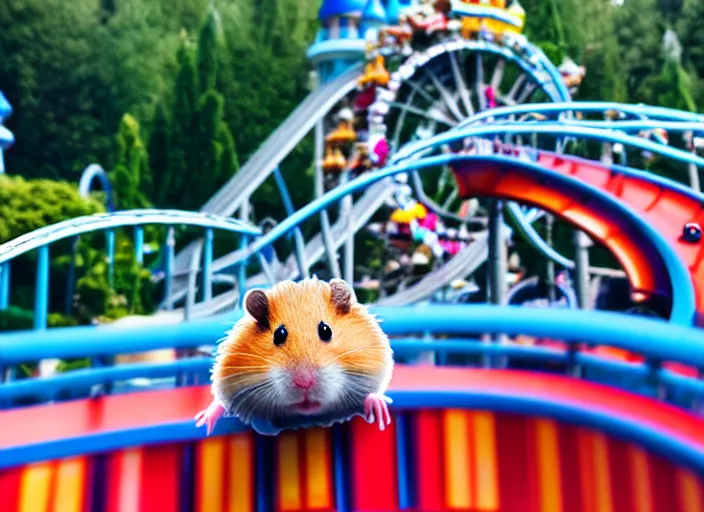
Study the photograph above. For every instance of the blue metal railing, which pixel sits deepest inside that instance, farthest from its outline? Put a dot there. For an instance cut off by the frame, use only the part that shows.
(41, 239)
(657, 341)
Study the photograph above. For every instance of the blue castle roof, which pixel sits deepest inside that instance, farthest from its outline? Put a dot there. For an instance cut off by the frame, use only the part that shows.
(374, 11)
(5, 108)
(332, 8)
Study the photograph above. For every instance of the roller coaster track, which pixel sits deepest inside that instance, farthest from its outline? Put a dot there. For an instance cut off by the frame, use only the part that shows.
(275, 148)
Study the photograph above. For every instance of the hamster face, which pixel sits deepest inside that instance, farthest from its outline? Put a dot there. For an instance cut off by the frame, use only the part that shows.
(303, 348)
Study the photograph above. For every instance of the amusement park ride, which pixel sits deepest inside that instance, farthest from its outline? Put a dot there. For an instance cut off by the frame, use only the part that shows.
(437, 125)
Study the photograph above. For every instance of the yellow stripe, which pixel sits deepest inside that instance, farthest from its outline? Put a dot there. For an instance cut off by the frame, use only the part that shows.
(602, 469)
(641, 490)
(485, 461)
(458, 475)
(211, 474)
(547, 449)
(130, 480)
(288, 472)
(241, 478)
(35, 487)
(688, 491)
(318, 483)
(70, 485)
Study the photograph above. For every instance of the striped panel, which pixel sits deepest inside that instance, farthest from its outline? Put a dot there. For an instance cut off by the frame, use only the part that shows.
(457, 468)
(36, 487)
(485, 461)
(70, 487)
(210, 465)
(124, 475)
(690, 491)
(516, 492)
(595, 472)
(547, 464)
(429, 482)
(318, 469)
(289, 462)
(240, 474)
(10, 480)
(161, 472)
(373, 467)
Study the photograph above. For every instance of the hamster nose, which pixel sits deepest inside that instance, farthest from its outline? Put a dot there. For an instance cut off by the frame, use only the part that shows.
(304, 379)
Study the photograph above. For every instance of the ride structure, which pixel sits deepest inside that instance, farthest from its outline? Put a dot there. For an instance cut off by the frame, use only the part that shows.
(6, 136)
(497, 408)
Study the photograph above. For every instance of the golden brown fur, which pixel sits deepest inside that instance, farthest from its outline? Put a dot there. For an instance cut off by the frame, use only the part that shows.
(359, 348)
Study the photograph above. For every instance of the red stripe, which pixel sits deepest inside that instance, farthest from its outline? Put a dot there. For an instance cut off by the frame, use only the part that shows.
(374, 478)
(569, 456)
(112, 482)
(10, 489)
(160, 473)
(663, 481)
(514, 488)
(621, 478)
(429, 463)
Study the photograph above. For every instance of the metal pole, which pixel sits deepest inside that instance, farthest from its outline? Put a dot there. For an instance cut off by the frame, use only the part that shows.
(139, 245)
(581, 265)
(5, 285)
(319, 191)
(497, 254)
(551, 264)
(346, 210)
(71, 279)
(110, 235)
(242, 268)
(41, 291)
(693, 170)
(242, 272)
(207, 266)
(496, 272)
(169, 267)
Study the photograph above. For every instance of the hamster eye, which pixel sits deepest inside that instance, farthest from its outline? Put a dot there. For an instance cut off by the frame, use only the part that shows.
(280, 335)
(324, 331)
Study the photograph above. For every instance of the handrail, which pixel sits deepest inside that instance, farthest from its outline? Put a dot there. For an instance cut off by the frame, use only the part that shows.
(650, 337)
(556, 129)
(104, 221)
(641, 110)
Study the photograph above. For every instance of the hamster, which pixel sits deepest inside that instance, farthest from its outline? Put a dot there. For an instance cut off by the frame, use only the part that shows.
(305, 354)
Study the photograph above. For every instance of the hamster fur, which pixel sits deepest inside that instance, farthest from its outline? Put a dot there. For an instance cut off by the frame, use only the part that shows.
(305, 354)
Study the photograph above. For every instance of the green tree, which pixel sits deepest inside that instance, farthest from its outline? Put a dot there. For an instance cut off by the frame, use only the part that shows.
(159, 155)
(131, 175)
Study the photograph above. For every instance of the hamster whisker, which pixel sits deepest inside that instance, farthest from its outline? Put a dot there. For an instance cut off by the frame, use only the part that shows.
(249, 354)
(359, 349)
(260, 367)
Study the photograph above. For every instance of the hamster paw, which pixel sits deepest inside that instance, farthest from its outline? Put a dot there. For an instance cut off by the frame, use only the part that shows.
(210, 416)
(376, 409)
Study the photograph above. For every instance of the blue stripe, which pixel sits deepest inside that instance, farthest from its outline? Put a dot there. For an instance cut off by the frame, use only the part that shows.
(341, 461)
(402, 467)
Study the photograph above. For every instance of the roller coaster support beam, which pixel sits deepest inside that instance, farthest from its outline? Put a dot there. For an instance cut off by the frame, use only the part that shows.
(208, 266)
(139, 244)
(693, 171)
(297, 235)
(330, 248)
(4, 287)
(169, 267)
(41, 291)
(346, 211)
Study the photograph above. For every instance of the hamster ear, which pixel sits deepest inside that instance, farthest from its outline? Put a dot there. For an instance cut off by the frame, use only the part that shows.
(342, 296)
(256, 304)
